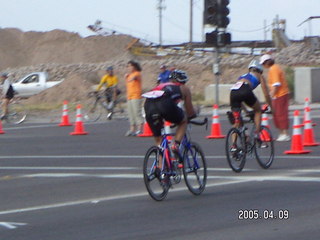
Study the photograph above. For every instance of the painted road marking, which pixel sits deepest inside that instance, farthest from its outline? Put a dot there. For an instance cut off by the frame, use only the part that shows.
(11, 225)
(131, 156)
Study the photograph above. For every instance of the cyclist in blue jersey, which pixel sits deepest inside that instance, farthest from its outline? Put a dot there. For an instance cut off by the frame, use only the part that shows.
(242, 92)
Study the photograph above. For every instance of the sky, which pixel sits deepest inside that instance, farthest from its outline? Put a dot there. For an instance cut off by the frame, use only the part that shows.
(140, 18)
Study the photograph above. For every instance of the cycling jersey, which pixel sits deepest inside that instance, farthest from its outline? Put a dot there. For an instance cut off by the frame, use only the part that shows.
(162, 104)
(251, 78)
(108, 80)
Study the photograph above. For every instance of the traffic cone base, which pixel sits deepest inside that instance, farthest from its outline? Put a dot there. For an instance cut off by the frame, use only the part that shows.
(1, 130)
(215, 126)
(79, 129)
(146, 131)
(296, 142)
(65, 117)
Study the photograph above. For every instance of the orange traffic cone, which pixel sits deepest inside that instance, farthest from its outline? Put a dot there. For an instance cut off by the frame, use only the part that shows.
(65, 117)
(215, 127)
(296, 143)
(264, 135)
(146, 131)
(79, 129)
(308, 134)
(306, 105)
(1, 130)
(168, 130)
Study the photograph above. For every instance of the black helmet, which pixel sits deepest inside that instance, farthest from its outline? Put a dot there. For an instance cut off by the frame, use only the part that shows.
(179, 76)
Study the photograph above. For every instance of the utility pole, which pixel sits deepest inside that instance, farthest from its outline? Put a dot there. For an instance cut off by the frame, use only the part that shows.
(191, 21)
(160, 8)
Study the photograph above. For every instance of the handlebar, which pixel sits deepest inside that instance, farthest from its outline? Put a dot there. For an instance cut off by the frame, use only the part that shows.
(195, 122)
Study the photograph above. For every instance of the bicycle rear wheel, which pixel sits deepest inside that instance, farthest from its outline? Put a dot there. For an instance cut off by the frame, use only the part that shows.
(194, 168)
(157, 185)
(17, 113)
(235, 150)
(264, 148)
(93, 110)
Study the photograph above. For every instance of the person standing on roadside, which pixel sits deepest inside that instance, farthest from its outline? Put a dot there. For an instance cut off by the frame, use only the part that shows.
(7, 94)
(163, 75)
(134, 91)
(279, 92)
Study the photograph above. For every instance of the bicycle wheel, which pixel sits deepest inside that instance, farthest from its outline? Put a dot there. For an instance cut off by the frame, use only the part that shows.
(235, 150)
(17, 113)
(93, 110)
(156, 185)
(264, 148)
(194, 169)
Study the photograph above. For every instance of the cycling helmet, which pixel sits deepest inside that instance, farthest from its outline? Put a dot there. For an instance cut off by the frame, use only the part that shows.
(179, 76)
(255, 64)
(109, 68)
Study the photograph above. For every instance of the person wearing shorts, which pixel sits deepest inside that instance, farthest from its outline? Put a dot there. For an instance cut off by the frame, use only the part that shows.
(162, 105)
(7, 94)
(242, 92)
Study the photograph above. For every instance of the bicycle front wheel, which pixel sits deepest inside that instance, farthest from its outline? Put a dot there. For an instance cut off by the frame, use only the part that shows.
(93, 110)
(17, 113)
(264, 148)
(235, 150)
(156, 185)
(194, 169)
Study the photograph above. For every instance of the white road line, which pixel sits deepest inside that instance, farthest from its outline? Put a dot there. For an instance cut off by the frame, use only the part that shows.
(132, 156)
(109, 198)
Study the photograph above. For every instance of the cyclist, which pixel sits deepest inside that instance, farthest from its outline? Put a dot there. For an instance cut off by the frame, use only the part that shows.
(110, 81)
(7, 94)
(242, 92)
(162, 104)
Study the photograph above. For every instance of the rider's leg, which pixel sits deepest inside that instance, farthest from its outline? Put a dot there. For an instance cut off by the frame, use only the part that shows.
(257, 115)
(5, 103)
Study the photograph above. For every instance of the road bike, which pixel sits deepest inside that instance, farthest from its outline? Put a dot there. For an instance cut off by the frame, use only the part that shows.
(17, 112)
(162, 169)
(240, 143)
(101, 102)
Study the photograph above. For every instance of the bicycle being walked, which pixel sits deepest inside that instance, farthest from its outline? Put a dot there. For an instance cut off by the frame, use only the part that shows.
(162, 168)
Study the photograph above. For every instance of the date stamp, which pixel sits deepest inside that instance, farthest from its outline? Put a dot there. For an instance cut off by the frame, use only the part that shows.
(256, 214)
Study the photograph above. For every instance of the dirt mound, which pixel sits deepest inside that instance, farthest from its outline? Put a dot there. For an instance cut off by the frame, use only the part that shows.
(57, 46)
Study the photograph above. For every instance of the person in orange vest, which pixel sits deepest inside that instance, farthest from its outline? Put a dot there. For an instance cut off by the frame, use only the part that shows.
(279, 93)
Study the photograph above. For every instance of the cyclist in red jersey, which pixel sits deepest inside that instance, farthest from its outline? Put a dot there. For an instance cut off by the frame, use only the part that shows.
(162, 104)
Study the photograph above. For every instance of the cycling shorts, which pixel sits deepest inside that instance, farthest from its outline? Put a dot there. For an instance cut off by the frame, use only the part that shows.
(10, 93)
(243, 94)
(159, 109)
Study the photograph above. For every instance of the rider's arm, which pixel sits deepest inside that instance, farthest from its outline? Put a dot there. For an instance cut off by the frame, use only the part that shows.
(187, 101)
(265, 90)
(102, 81)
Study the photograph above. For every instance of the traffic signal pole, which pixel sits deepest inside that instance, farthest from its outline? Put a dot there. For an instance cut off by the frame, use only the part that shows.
(216, 15)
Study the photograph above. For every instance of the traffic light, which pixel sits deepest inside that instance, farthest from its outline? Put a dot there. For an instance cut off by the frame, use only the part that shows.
(212, 38)
(216, 13)
(223, 39)
(223, 12)
(210, 12)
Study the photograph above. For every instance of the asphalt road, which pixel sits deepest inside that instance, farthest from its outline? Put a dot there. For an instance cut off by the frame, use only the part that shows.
(56, 186)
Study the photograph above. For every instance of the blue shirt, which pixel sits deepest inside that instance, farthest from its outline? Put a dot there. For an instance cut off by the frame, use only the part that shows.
(164, 76)
(251, 78)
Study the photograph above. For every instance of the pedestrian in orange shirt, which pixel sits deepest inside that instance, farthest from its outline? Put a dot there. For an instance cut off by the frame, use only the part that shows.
(279, 92)
(134, 100)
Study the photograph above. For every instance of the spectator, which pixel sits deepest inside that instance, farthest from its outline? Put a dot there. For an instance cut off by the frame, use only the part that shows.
(164, 74)
(133, 82)
(279, 92)
(7, 94)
